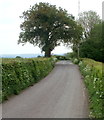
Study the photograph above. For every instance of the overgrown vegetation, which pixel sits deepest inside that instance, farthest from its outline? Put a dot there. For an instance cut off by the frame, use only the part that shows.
(18, 74)
(94, 80)
(91, 44)
(60, 57)
(71, 55)
(93, 47)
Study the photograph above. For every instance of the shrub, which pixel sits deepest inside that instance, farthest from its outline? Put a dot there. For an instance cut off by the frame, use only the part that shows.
(92, 72)
(70, 55)
(18, 57)
(18, 74)
(59, 57)
(75, 61)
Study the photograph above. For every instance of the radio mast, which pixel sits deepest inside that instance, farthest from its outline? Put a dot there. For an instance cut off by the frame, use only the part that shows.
(78, 7)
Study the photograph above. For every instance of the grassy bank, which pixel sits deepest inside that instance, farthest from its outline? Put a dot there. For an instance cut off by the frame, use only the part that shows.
(94, 80)
(18, 74)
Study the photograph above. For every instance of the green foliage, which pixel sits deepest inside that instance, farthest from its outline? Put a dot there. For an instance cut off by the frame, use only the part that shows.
(18, 57)
(94, 80)
(93, 47)
(60, 57)
(0, 96)
(83, 46)
(47, 26)
(18, 74)
(75, 61)
(88, 19)
(71, 55)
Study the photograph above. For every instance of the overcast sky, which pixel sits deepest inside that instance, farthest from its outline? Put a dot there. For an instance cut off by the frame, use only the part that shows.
(10, 10)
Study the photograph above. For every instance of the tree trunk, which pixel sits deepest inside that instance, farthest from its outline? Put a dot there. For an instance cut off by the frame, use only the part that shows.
(48, 53)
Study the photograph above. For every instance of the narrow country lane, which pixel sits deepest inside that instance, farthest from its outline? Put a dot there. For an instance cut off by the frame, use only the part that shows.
(61, 94)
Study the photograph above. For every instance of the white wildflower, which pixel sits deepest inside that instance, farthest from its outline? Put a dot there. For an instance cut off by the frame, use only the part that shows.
(97, 92)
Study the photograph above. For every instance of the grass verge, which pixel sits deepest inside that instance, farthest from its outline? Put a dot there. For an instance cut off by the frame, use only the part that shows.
(94, 80)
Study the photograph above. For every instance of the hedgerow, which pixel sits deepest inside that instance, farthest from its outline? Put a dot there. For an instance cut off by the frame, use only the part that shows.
(18, 74)
(94, 80)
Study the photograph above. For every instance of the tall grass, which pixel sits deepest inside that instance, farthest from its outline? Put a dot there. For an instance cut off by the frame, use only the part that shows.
(94, 80)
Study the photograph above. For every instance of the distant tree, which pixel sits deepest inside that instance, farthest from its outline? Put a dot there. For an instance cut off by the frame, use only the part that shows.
(94, 46)
(76, 42)
(47, 26)
(102, 45)
(88, 20)
(39, 56)
(18, 57)
(70, 55)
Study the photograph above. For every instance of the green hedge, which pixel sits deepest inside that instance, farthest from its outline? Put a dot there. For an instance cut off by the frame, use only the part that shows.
(94, 80)
(18, 74)
(59, 57)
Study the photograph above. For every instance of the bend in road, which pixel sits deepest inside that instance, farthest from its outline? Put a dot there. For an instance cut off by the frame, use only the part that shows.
(61, 94)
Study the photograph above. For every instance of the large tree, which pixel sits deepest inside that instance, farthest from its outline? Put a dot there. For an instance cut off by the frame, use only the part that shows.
(46, 26)
(88, 19)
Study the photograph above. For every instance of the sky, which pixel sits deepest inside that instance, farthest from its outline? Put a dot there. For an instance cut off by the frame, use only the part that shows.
(10, 10)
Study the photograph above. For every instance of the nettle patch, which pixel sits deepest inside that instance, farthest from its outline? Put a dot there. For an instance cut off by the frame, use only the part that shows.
(94, 80)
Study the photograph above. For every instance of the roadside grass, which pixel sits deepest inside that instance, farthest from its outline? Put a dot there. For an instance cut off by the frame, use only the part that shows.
(94, 80)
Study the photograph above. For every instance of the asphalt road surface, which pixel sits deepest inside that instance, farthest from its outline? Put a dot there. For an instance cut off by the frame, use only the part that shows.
(61, 94)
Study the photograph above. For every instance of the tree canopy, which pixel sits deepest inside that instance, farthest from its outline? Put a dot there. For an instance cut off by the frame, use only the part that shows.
(93, 47)
(88, 19)
(46, 26)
